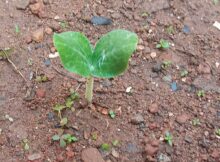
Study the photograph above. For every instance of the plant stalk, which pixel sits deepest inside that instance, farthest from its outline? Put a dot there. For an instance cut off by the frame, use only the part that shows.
(89, 89)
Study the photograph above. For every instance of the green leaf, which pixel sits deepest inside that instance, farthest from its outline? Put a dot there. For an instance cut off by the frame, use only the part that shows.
(105, 147)
(75, 52)
(115, 143)
(56, 137)
(112, 52)
(63, 121)
(62, 143)
(158, 46)
(58, 107)
(69, 103)
(164, 43)
(112, 114)
(4, 53)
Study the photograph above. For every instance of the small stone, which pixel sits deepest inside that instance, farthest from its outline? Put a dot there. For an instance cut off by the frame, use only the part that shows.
(48, 30)
(104, 111)
(22, 4)
(217, 64)
(132, 148)
(181, 119)
(140, 48)
(37, 8)
(91, 155)
(128, 90)
(137, 119)
(188, 139)
(38, 35)
(167, 78)
(157, 68)
(204, 68)
(147, 50)
(153, 108)
(206, 133)
(150, 150)
(152, 126)
(153, 54)
(155, 143)
(34, 156)
(41, 93)
(47, 62)
(51, 55)
(163, 158)
(99, 20)
(60, 158)
(115, 153)
(70, 154)
(28, 39)
(116, 15)
(216, 154)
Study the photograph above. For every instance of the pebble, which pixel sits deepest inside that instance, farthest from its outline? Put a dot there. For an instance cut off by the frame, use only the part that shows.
(116, 15)
(157, 68)
(50, 116)
(37, 8)
(128, 89)
(41, 93)
(163, 158)
(153, 108)
(147, 50)
(137, 119)
(47, 62)
(174, 86)
(181, 119)
(115, 153)
(38, 35)
(140, 48)
(99, 20)
(34, 156)
(167, 78)
(28, 39)
(131, 148)
(216, 153)
(188, 139)
(22, 4)
(153, 54)
(60, 158)
(204, 68)
(55, 55)
(48, 30)
(217, 64)
(150, 150)
(91, 155)
(186, 29)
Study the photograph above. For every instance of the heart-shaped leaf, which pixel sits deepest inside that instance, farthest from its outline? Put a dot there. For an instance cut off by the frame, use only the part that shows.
(108, 59)
(112, 53)
(75, 52)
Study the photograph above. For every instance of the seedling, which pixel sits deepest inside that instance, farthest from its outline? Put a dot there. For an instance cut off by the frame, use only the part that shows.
(94, 136)
(41, 78)
(163, 44)
(115, 143)
(105, 147)
(215, 2)
(63, 122)
(59, 108)
(112, 114)
(170, 30)
(17, 29)
(25, 144)
(107, 59)
(218, 132)
(166, 64)
(201, 93)
(64, 139)
(184, 73)
(196, 122)
(168, 138)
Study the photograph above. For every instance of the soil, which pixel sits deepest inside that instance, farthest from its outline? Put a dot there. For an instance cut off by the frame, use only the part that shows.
(160, 99)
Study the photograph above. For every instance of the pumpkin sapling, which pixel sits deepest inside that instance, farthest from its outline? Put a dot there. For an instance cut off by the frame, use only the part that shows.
(107, 59)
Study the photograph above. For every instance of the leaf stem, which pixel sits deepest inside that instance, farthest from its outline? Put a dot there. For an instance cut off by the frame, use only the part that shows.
(89, 89)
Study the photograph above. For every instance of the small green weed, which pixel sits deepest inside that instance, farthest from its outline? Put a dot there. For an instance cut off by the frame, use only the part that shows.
(196, 122)
(64, 139)
(105, 147)
(112, 114)
(184, 73)
(168, 138)
(115, 143)
(166, 64)
(163, 44)
(218, 132)
(170, 30)
(201, 93)
(17, 29)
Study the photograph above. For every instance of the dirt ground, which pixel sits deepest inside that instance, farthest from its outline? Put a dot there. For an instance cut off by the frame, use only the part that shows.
(160, 99)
